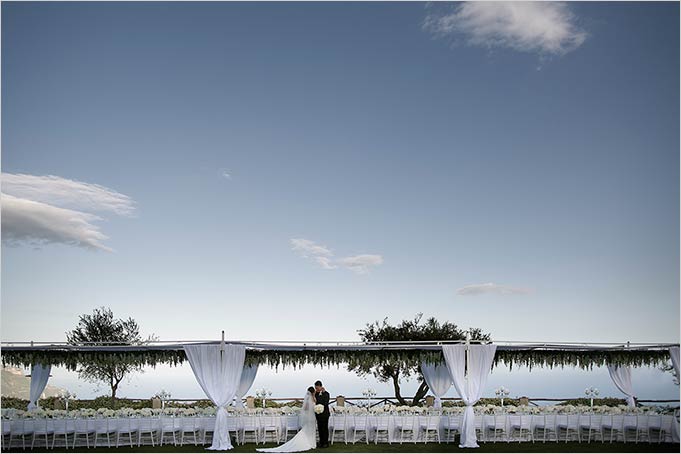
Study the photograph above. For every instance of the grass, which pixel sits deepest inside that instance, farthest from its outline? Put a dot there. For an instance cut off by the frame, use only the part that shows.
(411, 447)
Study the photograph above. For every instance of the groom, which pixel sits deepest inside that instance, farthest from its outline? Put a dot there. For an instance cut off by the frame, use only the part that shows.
(322, 397)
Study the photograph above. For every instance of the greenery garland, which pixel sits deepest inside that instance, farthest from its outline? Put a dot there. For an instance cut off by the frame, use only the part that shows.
(584, 359)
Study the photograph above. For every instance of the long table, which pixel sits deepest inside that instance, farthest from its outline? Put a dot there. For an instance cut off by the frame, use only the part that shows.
(350, 428)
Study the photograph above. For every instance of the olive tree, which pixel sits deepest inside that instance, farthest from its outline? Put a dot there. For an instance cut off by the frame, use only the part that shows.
(408, 330)
(101, 328)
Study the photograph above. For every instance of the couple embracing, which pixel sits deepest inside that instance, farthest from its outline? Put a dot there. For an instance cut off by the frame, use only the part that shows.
(306, 438)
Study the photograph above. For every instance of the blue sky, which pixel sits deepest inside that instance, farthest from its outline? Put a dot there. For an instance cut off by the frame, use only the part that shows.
(415, 160)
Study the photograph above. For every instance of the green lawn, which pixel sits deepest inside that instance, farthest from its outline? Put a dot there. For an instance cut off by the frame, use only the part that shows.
(410, 447)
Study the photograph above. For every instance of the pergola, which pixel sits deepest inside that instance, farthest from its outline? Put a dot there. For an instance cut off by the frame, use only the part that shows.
(297, 353)
(223, 368)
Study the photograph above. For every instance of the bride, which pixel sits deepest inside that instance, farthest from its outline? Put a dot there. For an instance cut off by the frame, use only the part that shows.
(306, 438)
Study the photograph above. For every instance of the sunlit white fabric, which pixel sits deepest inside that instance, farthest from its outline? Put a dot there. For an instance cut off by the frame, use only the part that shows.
(39, 376)
(470, 388)
(438, 380)
(218, 371)
(306, 438)
(621, 376)
(247, 379)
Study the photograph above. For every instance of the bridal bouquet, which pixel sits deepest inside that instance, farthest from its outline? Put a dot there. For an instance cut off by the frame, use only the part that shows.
(319, 409)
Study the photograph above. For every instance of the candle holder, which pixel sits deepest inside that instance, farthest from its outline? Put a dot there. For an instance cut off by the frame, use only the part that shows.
(502, 392)
(591, 392)
(263, 394)
(65, 397)
(163, 395)
(369, 394)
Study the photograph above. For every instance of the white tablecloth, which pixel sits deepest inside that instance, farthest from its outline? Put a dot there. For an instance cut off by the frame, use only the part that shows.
(396, 425)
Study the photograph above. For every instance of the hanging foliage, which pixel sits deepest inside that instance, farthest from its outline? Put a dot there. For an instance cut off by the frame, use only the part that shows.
(585, 359)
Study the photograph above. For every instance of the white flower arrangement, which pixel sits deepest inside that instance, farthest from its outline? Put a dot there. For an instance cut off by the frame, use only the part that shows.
(319, 409)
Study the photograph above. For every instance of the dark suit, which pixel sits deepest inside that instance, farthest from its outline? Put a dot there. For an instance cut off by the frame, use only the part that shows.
(323, 418)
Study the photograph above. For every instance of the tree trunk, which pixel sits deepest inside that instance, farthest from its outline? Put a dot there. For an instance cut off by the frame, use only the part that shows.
(114, 388)
(396, 384)
(420, 393)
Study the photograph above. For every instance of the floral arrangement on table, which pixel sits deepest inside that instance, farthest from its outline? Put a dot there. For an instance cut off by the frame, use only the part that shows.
(353, 410)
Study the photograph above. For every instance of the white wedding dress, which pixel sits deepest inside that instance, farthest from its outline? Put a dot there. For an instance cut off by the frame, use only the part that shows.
(306, 438)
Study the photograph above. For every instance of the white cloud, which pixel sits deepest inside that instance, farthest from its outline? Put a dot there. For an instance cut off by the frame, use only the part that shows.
(28, 222)
(38, 210)
(308, 248)
(361, 263)
(546, 28)
(480, 289)
(66, 193)
(324, 257)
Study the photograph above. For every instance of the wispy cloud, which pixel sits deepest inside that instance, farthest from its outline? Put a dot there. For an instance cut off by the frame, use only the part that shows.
(547, 28)
(66, 193)
(361, 263)
(38, 210)
(480, 289)
(325, 258)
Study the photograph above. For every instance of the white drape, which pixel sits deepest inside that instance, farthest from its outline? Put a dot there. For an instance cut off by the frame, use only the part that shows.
(621, 376)
(247, 379)
(438, 380)
(674, 353)
(39, 376)
(470, 388)
(219, 374)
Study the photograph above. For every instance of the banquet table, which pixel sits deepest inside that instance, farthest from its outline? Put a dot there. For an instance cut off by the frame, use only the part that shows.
(343, 426)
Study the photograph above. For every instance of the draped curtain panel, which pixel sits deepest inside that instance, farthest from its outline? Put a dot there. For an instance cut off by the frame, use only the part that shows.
(621, 376)
(247, 379)
(674, 353)
(471, 386)
(438, 380)
(218, 371)
(39, 376)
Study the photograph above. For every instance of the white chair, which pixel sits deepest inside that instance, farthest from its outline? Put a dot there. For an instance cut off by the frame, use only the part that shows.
(6, 430)
(382, 428)
(407, 425)
(188, 431)
(338, 425)
(567, 426)
(642, 429)
(481, 422)
(19, 430)
(429, 427)
(102, 431)
(655, 431)
(612, 426)
(207, 426)
(41, 432)
(520, 427)
(594, 431)
(291, 424)
(496, 427)
(361, 429)
(269, 424)
(146, 431)
(546, 424)
(629, 428)
(124, 431)
(249, 424)
(62, 428)
(169, 428)
(83, 427)
(452, 426)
